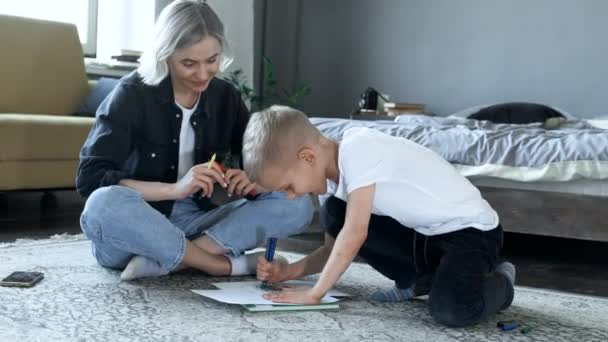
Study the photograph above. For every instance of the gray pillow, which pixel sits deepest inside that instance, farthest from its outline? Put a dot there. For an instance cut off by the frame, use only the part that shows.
(516, 113)
(104, 86)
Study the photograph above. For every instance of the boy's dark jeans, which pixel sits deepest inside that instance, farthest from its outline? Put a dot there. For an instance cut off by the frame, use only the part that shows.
(465, 289)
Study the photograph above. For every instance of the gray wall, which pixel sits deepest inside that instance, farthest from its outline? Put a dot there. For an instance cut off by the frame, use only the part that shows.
(448, 54)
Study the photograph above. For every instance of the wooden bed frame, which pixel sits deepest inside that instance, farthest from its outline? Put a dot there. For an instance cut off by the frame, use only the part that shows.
(550, 213)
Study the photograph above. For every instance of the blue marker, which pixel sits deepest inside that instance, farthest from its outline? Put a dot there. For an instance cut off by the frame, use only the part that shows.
(270, 247)
(508, 325)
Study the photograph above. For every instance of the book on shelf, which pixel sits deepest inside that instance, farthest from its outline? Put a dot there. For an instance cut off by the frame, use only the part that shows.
(395, 108)
(94, 64)
(397, 105)
(129, 52)
(126, 58)
(394, 112)
(127, 55)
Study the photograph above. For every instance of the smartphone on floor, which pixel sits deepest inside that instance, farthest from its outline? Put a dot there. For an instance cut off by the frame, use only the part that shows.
(22, 279)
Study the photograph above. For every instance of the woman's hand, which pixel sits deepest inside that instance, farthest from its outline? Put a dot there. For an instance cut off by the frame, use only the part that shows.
(272, 272)
(238, 182)
(294, 296)
(199, 177)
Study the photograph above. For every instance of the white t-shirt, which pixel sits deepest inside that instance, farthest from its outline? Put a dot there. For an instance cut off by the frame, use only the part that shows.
(186, 141)
(414, 185)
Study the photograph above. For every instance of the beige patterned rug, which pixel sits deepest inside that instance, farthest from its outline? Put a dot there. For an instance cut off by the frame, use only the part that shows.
(81, 301)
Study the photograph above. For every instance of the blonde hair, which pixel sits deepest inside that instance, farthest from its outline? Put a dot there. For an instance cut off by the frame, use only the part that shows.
(272, 134)
(180, 25)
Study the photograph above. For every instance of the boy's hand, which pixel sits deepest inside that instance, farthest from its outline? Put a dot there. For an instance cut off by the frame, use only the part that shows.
(273, 272)
(294, 296)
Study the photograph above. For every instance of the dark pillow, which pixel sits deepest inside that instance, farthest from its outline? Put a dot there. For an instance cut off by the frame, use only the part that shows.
(516, 113)
(103, 87)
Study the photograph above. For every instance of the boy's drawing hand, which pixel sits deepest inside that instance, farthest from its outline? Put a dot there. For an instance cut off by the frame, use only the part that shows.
(238, 182)
(273, 272)
(294, 296)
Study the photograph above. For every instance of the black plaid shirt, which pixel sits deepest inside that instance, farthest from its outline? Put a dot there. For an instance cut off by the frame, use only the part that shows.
(136, 135)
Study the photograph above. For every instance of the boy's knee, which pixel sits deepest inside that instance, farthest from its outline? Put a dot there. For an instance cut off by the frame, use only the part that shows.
(454, 312)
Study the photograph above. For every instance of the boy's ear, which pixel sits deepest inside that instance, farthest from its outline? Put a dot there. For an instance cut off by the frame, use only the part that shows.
(307, 154)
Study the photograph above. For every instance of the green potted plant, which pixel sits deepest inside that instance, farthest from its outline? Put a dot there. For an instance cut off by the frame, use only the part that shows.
(272, 93)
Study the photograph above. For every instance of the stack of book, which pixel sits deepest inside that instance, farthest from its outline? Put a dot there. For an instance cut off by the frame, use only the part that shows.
(111, 68)
(129, 56)
(396, 108)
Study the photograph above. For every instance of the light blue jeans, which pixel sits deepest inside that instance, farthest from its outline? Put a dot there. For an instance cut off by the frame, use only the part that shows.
(121, 224)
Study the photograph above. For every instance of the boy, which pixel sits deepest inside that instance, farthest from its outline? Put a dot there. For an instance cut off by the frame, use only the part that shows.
(382, 185)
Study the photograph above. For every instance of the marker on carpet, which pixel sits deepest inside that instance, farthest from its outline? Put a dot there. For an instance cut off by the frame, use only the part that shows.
(271, 245)
(507, 325)
(525, 330)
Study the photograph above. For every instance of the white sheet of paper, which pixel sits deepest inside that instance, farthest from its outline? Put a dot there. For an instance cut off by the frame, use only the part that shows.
(297, 283)
(246, 293)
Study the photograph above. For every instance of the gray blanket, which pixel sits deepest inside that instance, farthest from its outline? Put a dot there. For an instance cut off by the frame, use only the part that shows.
(474, 143)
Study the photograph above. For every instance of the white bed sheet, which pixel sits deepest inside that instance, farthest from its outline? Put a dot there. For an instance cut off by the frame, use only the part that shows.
(588, 187)
(599, 123)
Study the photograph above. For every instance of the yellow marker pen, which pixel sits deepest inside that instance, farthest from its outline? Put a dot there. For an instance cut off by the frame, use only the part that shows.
(211, 161)
(210, 165)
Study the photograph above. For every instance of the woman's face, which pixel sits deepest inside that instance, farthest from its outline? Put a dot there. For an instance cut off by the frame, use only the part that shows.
(192, 68)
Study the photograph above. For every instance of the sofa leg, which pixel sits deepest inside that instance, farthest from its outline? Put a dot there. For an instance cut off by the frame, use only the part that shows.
(3, 200)
(48, 200)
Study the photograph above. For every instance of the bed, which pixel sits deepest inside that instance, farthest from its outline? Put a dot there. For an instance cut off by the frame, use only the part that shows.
(541, 181)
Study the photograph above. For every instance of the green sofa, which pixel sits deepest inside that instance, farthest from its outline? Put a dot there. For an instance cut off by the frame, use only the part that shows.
(43, 82)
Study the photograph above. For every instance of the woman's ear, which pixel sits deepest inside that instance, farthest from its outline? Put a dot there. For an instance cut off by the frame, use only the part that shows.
(307, 154)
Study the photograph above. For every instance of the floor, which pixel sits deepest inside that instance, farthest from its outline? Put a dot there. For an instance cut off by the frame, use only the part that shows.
(562, 264)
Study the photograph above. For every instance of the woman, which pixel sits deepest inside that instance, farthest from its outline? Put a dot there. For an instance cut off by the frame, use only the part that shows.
(144, 166)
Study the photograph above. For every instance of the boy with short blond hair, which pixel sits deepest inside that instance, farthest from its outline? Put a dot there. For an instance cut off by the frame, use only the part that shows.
(397, 204)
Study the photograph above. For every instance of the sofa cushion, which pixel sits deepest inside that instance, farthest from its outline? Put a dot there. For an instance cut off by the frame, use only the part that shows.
(42, 137)
(42, 67)
(42, 174)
